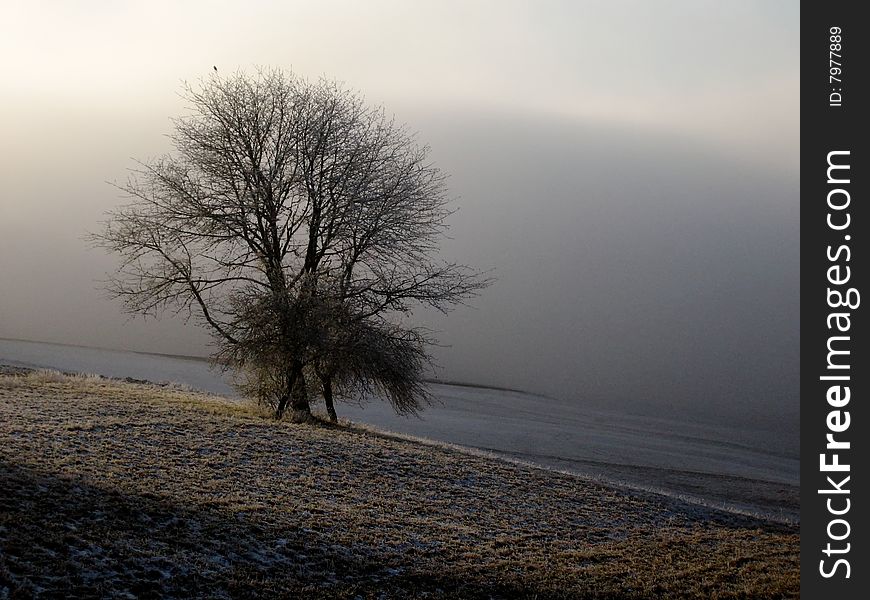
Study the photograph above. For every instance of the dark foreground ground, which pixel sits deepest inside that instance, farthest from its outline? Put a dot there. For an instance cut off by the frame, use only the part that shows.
(125, 490)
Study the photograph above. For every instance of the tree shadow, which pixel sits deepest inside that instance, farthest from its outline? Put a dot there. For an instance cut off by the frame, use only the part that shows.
(66, 538)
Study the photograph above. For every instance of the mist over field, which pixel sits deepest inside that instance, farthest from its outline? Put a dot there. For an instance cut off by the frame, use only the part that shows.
(632, 271)
(636, 193)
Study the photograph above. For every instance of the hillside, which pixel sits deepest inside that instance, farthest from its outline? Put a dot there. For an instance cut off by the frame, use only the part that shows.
(114, 488)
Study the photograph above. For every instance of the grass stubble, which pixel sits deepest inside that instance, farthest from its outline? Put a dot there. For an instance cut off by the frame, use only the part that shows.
(117, 489)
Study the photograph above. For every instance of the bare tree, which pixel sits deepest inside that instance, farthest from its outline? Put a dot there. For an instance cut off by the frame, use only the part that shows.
(295, 222)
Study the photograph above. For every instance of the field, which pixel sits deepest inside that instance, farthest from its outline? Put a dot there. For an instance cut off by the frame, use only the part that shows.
(111, 488)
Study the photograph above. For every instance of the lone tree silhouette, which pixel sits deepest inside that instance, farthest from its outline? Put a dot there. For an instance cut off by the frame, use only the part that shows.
(296, 223)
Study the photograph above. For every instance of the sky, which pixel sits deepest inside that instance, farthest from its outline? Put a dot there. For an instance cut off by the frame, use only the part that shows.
(629, 169)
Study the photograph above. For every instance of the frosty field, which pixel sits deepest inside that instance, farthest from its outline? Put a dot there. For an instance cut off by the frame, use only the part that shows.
(135, 490)
(754, 471)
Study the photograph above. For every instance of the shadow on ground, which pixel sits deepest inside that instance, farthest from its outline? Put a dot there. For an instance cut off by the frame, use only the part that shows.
(65, 539)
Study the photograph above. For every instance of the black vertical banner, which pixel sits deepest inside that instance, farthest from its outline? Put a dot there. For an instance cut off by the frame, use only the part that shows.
(835, 372)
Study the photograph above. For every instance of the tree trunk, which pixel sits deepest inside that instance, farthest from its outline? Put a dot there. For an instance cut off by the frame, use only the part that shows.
(327, 399)
(295, 396)
(299, 395)
(284, 400)
(300, 409)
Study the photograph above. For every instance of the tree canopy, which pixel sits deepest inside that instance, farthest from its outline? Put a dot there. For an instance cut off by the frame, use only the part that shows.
(296, 223)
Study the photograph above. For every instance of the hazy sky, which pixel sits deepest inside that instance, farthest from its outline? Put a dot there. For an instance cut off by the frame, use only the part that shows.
(630, 169)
